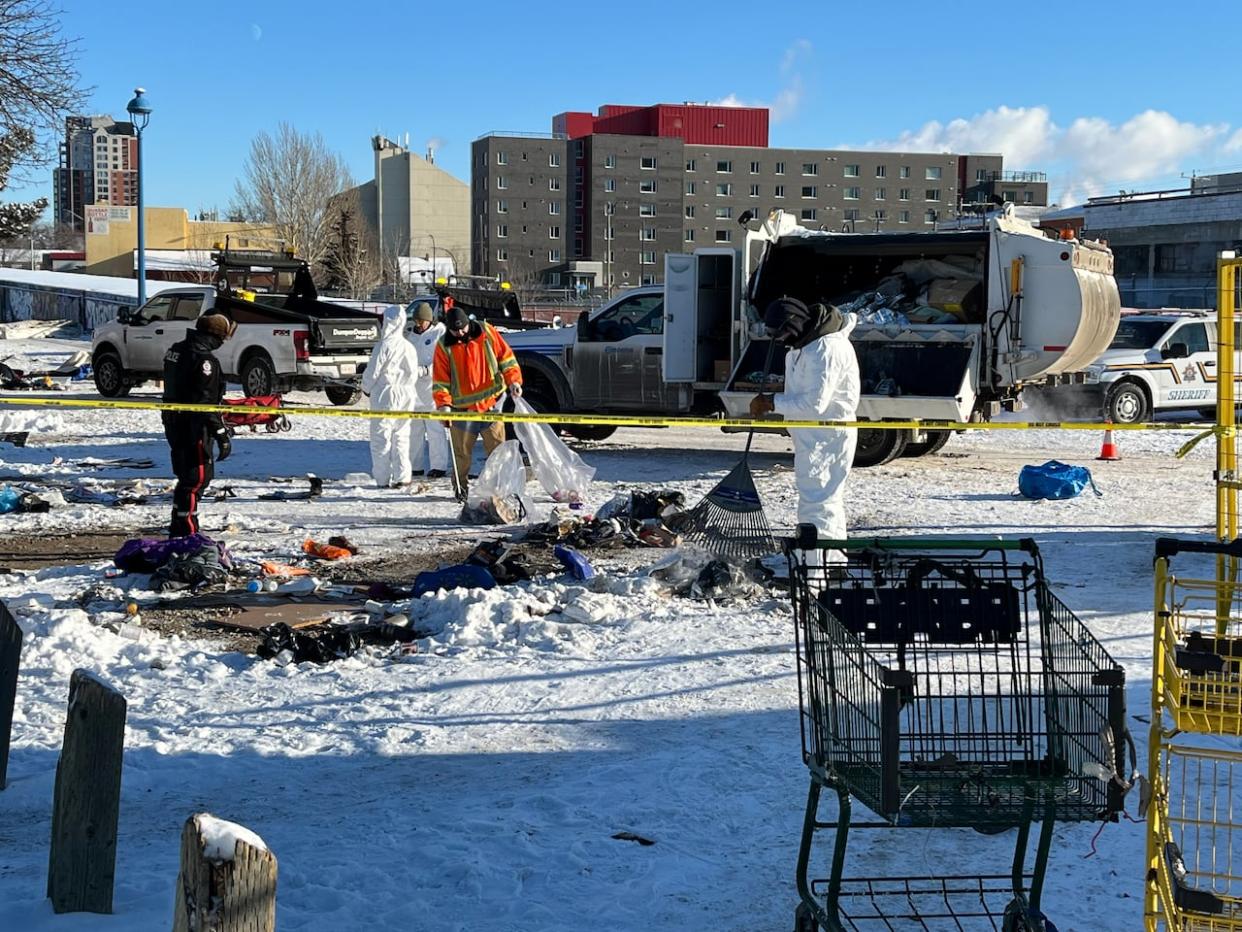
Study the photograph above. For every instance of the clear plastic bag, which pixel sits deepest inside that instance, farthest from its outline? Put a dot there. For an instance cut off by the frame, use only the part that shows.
(560, 470)
(503, 475)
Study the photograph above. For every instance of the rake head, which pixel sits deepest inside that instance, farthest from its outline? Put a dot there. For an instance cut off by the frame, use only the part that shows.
(730, 520)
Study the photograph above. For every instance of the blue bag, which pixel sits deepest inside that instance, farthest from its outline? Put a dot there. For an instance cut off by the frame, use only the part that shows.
(578, 565)
(462, 576)
(1055, 480)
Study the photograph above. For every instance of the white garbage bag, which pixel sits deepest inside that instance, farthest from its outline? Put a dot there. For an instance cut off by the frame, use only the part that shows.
(503, 475)
(560, 470)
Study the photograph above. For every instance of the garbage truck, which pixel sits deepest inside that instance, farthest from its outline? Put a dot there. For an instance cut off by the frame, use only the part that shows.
(952, 325)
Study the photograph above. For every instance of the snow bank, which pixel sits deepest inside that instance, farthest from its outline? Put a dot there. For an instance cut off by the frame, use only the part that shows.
(220, 838)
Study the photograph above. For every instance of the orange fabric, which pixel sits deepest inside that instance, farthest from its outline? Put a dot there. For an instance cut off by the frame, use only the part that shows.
(325, 551)
(474, 370)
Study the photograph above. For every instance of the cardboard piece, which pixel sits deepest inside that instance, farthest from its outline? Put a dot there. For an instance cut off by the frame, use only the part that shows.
(257, 616)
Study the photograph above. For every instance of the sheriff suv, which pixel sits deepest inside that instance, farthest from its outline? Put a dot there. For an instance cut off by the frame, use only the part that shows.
(1159, 361)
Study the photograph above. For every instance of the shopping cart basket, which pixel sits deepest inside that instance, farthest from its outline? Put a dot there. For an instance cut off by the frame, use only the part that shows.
(941, 683)
(1198, 651)
(272, 423)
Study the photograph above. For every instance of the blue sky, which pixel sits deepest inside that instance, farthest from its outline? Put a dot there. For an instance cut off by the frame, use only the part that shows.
(1101, 96)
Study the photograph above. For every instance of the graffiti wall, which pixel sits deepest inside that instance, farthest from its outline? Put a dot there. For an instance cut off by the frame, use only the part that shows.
(32, 302)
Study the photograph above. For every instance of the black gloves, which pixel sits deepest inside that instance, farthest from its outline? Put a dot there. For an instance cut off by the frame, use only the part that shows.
(224, 443)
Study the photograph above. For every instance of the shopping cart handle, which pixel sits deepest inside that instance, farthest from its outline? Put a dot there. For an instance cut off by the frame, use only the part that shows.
(806, 537)
(1169, 546)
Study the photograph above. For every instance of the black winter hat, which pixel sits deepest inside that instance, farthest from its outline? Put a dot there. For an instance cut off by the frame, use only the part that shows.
(787, 319)
(456, 319)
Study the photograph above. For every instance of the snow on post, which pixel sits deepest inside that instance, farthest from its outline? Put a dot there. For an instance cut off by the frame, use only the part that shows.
(227, 881)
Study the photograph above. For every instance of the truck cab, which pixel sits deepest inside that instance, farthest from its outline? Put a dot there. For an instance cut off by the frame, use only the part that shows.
(1157, 362)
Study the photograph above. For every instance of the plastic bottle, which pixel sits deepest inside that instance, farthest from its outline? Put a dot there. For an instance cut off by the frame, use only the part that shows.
(255, 585)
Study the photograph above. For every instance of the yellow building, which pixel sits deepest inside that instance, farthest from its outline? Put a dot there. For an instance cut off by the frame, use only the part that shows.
(112, 236)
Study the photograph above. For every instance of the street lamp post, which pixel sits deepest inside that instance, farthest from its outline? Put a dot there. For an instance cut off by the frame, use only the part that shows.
(140, 115)
(433, 257)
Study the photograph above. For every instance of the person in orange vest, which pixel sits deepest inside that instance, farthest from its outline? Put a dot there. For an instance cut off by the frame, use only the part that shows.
(472, 368)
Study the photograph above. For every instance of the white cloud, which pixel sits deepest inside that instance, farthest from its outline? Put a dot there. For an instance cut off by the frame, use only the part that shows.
(789, 98)
(1089, 157)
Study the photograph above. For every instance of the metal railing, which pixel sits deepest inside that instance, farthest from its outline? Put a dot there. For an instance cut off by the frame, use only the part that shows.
(1018, 176)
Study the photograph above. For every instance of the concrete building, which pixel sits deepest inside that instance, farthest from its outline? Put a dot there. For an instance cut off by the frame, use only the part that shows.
(415, 208)
(98, 163)
(1165, 242)
(605, 196)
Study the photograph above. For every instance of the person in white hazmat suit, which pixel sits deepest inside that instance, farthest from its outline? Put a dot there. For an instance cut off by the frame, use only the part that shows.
(391, 382)
(821, 384)
(429, 440)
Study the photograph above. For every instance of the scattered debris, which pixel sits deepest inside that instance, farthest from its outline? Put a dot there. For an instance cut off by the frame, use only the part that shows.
(280, 495)
(630, 836)
(334, 642)
(325, 551)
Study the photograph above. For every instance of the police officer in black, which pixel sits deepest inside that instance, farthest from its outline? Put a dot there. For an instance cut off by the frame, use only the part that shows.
(192, 376)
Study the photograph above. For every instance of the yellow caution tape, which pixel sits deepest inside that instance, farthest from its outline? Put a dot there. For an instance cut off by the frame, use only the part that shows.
(597, 420)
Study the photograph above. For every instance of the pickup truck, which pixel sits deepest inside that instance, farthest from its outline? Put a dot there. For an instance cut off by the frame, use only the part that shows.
(281, 343)
(986, 312)
(1158, 361)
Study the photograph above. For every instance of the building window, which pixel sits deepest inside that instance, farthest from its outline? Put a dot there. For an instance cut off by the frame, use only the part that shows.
(929, 216)
(610, 184)
(881, 216)
(852, 194)
(689, 211)
(647, 234)
(689, 165)
(933, 173)
(554, 184)
(502, 230)
(554, 160)
(647, 186)
(807, 213)
(648, 280)
(780, 168)
(1010, 196)
(554, 232)
(578, 148)
(981, 174)
(647, 163)
(755, 168)
(578, 246)
(779, 191)
(881, 193)
(754, 190)
(578, 198)
(724, 236)
(689, 236)
(502, 254)
(502, 207)
(903, 194)
(690, 186)
(578, 223)
(501, 183)
(903, 216)
(881, 171)
(502, 158)
(609, 232)
(610, 161)
(724, 190)
(554, 207)
(554, 255)
(724, 213)
(646, 210)
(610, 209)
(905, 171)
(1174, 257)
(931, 194)
(724, 166)
(1028, 197)
(646, 257)
(810, 168)
(851, 171)
(577, 174)
(851, 214)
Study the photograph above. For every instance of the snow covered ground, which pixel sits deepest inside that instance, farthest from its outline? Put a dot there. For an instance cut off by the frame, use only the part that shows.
(477, 785)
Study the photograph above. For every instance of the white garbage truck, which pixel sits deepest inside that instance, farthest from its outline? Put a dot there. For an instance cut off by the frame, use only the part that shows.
(951, 326)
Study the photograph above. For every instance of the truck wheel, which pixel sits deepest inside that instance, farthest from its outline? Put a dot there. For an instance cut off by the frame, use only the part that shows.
(936, 439)
(341, 395)
(258, 376)
(877, 447)
(591, 431)
(1127, 403)
(110, 376)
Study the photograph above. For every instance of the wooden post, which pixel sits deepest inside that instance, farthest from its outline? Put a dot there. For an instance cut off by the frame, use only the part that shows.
(82, 865)
(227, 881)
(10, 655)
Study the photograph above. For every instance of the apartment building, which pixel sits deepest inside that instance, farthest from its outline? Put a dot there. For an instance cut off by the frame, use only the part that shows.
(631, 184)
(97, 164)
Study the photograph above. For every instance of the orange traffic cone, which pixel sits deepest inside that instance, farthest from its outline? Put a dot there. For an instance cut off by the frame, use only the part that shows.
(1108, 450)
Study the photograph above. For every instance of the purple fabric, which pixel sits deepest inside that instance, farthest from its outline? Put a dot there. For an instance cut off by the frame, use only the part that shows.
(147, 554)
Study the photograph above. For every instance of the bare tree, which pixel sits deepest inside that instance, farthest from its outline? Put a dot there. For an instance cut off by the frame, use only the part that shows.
(525, 276)
(288, 181)
(351, 262)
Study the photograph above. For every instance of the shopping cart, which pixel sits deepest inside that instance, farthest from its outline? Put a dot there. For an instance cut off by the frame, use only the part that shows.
(1198, 651)
(942, 684)
(272, 423)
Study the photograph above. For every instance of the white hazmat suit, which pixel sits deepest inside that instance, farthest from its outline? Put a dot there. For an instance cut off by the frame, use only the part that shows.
(391, 380)
(428, 436)
(822, 384)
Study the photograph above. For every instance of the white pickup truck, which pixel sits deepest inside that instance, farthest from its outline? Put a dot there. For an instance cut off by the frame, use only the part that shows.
(953, 325)
(281, 343)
